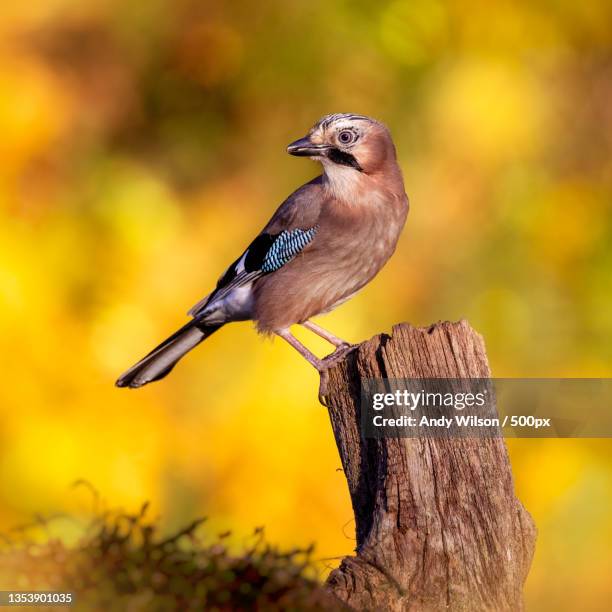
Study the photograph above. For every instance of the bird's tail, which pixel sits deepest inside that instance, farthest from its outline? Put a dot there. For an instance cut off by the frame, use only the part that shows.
(163, 358)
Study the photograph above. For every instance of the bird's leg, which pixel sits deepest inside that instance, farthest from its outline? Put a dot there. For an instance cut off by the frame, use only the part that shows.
(322, 365)
(342, 346)
(323, 333)
(312, 359)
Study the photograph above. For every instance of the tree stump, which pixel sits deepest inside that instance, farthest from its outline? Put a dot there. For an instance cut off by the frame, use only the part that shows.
(438, 525)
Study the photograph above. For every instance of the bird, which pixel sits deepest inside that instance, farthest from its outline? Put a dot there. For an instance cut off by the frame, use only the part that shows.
(323, 244)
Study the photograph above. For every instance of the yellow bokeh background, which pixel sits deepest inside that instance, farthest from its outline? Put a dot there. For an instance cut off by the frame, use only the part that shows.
(142, 147)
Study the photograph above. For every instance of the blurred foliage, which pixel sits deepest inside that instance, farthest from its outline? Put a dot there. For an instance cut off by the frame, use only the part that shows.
(141, 148)
(122, 563)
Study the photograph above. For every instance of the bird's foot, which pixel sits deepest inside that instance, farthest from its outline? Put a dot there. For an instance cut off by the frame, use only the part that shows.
(327, 363)
(339, 354)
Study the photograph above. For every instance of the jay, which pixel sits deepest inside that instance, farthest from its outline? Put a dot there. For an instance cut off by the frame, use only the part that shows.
(325, 242)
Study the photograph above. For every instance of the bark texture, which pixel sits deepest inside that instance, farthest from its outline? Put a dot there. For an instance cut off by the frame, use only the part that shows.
(438, 525)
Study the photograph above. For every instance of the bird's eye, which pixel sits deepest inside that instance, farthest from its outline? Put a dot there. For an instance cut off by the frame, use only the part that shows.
(347, 137)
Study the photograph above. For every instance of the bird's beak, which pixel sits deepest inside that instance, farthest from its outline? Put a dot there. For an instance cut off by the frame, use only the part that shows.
(304, 147)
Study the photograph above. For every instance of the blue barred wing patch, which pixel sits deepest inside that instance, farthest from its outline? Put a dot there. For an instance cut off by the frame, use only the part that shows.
(285, 247)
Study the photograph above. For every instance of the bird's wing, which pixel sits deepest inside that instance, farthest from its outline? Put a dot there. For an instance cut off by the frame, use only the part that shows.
(290, 230)
(266, 254)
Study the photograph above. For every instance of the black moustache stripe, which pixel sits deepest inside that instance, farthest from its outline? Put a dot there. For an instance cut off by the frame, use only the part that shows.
(344, 159)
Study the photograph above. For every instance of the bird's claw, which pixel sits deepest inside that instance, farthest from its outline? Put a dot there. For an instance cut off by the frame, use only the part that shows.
(323, 382)
(327, 363)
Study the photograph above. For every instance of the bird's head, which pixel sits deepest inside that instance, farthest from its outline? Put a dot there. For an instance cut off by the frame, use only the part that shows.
(347, 142)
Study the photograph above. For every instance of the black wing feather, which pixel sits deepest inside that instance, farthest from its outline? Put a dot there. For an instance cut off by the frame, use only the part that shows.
(266, 254)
